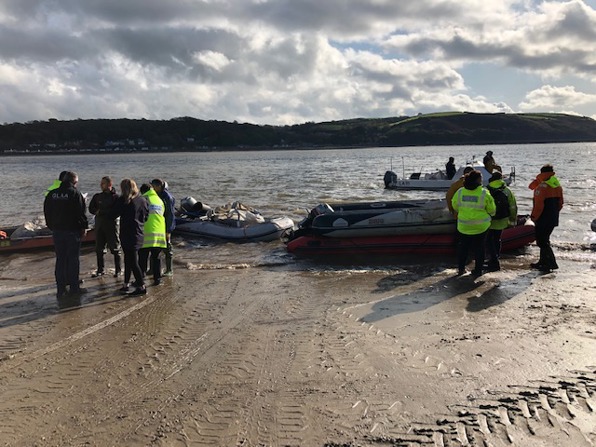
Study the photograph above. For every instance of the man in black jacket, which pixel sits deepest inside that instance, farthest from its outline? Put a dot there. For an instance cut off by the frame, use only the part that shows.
(64, 209)
(106, 226)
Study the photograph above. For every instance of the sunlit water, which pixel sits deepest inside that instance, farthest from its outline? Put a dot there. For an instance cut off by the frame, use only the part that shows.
(291, 182)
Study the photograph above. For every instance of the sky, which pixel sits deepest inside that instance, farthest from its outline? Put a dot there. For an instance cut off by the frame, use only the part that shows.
(284, 62)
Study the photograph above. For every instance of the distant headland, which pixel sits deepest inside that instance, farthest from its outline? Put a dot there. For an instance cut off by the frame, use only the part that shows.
(196, 135)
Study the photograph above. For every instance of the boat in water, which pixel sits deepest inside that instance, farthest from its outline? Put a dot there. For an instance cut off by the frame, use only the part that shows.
(389, 228)
(233, 222)
(593, 226)
(437, 181)
(31, 236)
(403, 217)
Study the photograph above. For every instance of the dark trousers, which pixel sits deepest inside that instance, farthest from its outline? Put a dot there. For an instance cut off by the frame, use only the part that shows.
(106, 234)
(465, 242)
(131, 265)
(169, 254)
(493, 246)
(155, 262)
(547, 256)
(67, 245)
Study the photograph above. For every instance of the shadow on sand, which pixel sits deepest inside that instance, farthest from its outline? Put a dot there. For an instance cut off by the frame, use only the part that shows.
(482, 293)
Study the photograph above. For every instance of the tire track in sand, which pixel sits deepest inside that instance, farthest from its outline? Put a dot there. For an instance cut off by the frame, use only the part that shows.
(259, 396)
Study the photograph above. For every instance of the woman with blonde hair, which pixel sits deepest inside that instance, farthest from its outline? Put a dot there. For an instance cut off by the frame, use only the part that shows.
(133, 210)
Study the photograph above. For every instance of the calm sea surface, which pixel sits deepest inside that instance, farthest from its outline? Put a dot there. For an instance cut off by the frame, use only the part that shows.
(291, 182)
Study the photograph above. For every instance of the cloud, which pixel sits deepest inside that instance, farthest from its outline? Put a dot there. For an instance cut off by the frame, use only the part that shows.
(549, 98)
(282, 62)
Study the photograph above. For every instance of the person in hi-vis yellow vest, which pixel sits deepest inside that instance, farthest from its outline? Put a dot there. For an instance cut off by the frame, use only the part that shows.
(474, 206)
(154, 231)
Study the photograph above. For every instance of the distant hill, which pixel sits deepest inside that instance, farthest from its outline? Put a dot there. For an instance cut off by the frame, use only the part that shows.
(193, 134)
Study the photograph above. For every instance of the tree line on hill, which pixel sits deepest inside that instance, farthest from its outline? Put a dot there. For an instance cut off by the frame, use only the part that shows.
(191, 134)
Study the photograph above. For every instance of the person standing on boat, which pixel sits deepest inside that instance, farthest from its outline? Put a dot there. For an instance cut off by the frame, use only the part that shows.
(161, 188)
(65, 213)
(547, 204)
(450, 168)
(106, 226)
(154, 233)
(474, 207)
(454, 187)
(505, 216)
(489, 161)
(133, 210)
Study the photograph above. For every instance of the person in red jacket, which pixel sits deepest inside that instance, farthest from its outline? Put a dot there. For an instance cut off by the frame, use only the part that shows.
(548, 202)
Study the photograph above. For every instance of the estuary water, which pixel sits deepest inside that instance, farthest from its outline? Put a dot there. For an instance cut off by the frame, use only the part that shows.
(290, 182)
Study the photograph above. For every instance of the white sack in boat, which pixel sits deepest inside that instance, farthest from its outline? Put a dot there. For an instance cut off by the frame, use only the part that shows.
(36, 227)
(235, 214)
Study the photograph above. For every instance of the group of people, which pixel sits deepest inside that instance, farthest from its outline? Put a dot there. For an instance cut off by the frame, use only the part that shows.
(483, 213)
(489, 164)
(137, 222)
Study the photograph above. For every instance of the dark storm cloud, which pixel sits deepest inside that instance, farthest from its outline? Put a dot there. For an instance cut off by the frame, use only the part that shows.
(344, 17)
(168, 47)
(110, 11)
(42, 45)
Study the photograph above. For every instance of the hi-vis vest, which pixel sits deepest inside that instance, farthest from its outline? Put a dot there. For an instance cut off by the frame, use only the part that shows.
(55, 185)
(154, 230)
(474, 209)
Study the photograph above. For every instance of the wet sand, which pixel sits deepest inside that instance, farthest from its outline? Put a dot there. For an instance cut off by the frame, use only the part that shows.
(279, 356)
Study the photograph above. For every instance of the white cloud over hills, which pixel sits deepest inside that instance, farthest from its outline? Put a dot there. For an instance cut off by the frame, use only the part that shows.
(286, 62)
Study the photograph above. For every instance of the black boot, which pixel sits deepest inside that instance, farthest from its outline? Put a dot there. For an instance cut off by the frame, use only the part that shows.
(100, 265)
(117, 265)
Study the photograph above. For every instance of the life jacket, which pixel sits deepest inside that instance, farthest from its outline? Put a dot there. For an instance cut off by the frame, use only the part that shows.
(474, 210)
(507, 214)
(55, 185)
(547, 200)
(154, 230)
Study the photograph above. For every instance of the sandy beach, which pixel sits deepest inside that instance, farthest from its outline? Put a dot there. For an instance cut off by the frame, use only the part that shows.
(280, 356)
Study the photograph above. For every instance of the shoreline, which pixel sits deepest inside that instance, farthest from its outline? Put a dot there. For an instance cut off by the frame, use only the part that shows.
(277, 356)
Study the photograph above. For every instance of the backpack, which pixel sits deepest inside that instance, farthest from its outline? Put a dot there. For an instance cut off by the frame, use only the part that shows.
(502, 203)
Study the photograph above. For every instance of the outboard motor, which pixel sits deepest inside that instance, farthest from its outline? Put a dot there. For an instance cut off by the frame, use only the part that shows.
(304, 227)
(189, 206)
(321, 208)
(390, 178)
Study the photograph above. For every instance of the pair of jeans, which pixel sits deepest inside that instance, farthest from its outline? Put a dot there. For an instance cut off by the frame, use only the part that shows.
(67, 245)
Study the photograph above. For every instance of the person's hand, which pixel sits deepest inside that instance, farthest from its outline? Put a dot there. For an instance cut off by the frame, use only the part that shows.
(168, 237)
(84, 232)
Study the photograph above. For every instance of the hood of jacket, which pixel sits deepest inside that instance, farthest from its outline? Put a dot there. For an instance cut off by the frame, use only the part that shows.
(497, 184)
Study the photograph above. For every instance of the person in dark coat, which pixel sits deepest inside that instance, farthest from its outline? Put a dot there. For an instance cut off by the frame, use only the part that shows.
(450, 169)
(106, 226)
(489, 162)
(133, 210)
(65, 213)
